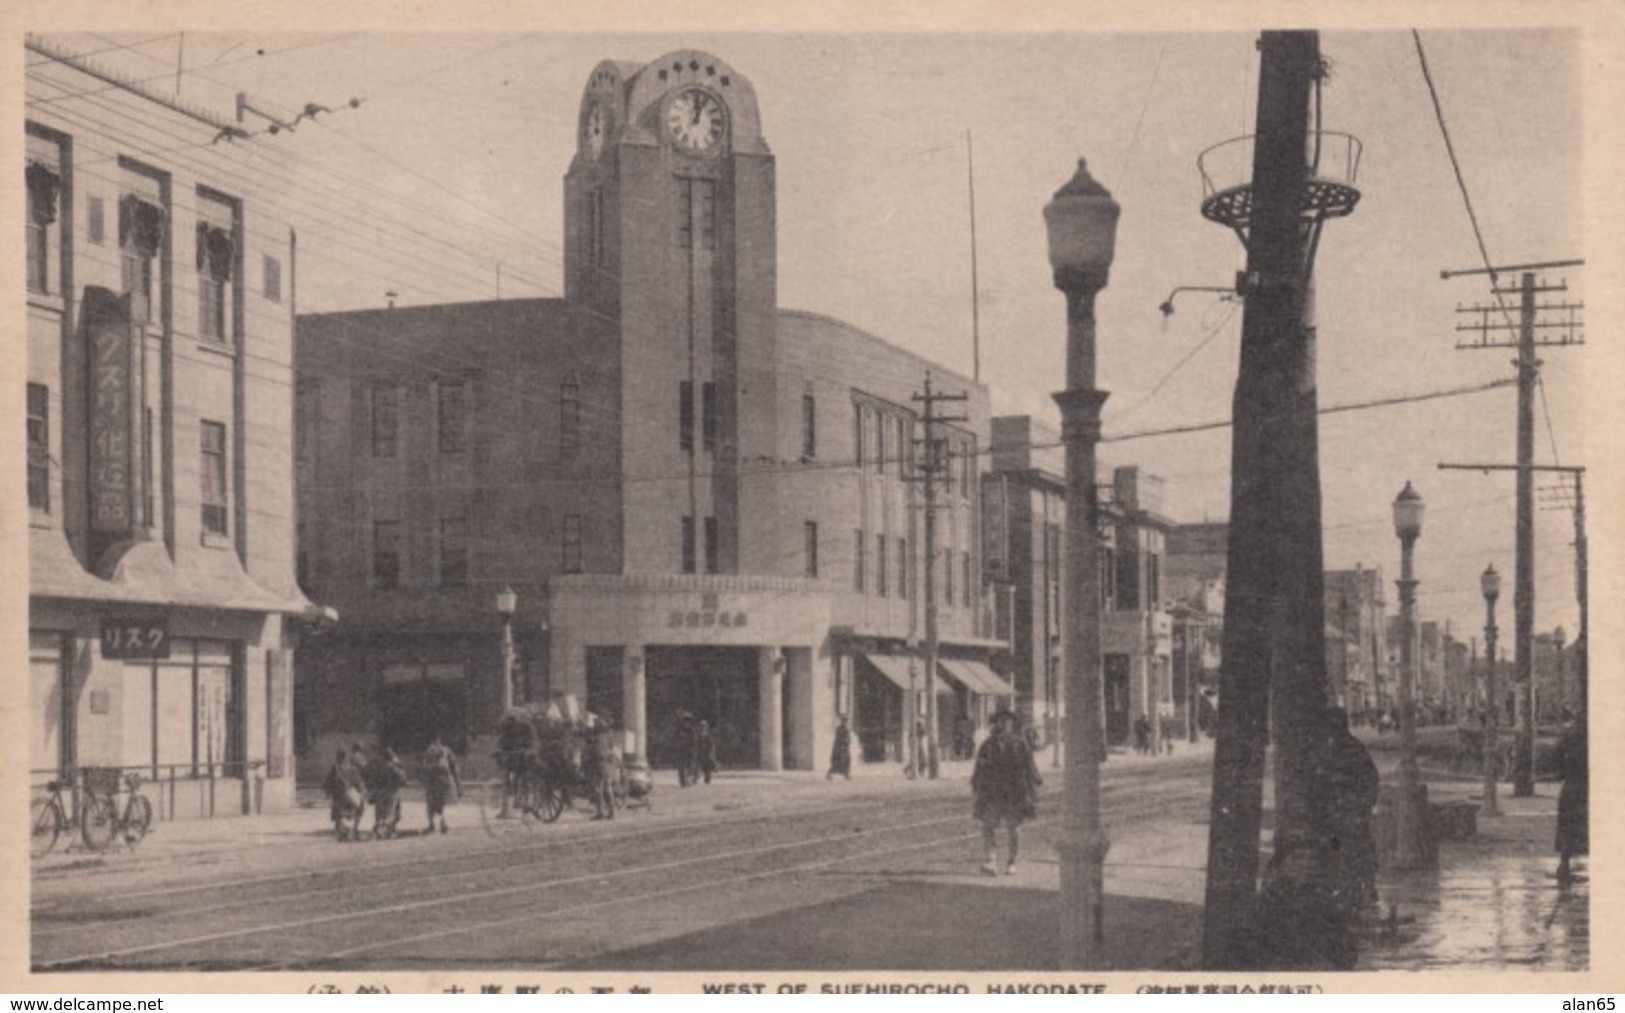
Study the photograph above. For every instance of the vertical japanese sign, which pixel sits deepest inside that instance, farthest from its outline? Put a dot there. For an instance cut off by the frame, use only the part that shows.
(112, 409)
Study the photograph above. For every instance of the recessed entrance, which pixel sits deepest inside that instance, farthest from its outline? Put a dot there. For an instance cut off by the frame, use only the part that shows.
(719, 685)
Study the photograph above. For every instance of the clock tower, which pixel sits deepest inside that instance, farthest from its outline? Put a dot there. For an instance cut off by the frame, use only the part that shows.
(670, 246)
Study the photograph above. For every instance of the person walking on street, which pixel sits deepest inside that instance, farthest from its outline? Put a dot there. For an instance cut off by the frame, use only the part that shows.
(385, 777)
(603, 763)
(344, 789)
(440, 780)
(840, 756)
(1573, 802)
(705, 752)
(1005, 781)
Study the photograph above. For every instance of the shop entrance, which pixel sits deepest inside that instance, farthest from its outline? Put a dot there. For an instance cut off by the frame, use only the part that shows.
(412, 712)
(718, 685)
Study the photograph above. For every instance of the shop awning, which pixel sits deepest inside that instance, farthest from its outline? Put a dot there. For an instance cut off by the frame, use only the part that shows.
(975, 676)
(895, 668)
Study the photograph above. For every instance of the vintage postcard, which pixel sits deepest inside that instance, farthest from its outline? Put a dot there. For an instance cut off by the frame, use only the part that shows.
(1068, 499)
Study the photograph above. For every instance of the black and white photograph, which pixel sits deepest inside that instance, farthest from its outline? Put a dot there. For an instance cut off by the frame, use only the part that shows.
(914, 505)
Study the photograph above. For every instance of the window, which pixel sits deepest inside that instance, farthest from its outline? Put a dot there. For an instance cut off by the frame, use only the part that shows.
(880, 565)
(857, 434)
(385, 420)
(39, 447)
(696, 198)
(947, 576)
(689, 552)
(964, 572)
(453, 551)
(141, 234)
(902, 450)
(712, 553)
(809, 538)
(96, 219)
(44, 184)
(572, 543)
(685, 415)
(1153, 581)
(271, 278)
(967, 467)
(685, 213)
(710, 422)
(902, 568)
(453, 416)
(858, 544)
(569, 417)
(215, 253)
(386, 554)
(214, 477)
(880, 443)
(708, 213)
(809, 427)
(597, 252)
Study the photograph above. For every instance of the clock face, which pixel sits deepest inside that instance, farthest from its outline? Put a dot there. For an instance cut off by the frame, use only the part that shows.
(695, 120)
(595, 130)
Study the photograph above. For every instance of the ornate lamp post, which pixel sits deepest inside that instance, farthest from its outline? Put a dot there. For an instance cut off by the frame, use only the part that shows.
(1411, 851)
(1082, 225)
(1490, 584)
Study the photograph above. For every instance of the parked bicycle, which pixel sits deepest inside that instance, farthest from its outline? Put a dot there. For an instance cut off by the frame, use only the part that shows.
(100, 817)
(48, 819)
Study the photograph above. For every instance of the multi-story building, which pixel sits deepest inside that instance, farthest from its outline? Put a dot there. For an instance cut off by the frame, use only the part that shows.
(702, 502)
(1136, 627)
(160, 466)
(1358, 658)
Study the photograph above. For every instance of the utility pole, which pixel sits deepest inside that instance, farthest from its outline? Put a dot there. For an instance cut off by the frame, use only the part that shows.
(1274, 657)
(935, 466)
(1523, 579)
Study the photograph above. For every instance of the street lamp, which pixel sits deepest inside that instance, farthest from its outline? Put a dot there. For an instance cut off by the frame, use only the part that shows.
(507, 603)
(1490, 584)
(1411, 851)
(1081, 224)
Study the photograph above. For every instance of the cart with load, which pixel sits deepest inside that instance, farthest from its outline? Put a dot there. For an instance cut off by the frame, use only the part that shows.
(549, 760)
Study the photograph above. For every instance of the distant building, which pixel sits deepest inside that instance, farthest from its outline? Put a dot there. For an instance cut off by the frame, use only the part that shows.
(702, 501)
(1358, 669)
(1136, 629)
(162, 602)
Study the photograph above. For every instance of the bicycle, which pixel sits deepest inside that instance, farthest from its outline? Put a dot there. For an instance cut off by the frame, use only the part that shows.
(100, 817)
(48, 820)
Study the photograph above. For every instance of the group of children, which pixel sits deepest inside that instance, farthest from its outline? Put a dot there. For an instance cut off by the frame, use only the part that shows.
(357, 780)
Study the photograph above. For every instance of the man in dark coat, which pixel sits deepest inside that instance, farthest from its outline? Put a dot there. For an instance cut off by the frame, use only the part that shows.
(440, 780)
(345, 791)
(1005, 780)
(840, 756)
(705, 751)
(1573, 801)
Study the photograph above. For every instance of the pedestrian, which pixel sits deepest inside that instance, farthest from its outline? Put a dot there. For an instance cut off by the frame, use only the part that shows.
(687, 768)
(1142, 735)
(516, 747)
(440, 781)
(385, 776)
(1005, 781)
(705, 752)
(345, 791)
(1573, 802)
(358, 760)
(603, 768)
(840, 755)
(1351, 786)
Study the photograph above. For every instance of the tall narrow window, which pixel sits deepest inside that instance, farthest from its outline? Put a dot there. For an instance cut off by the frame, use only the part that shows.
(964, 572)
(569, 417)
(1153, 581)
(453, 551)
(453, 416)
(902, 568)
(685, 213)
(857, 434)
(685, 414)
(710, 421)
(39, 447)
(809, 427)
(880, 443)
(214, 477)
(713, 556)
(96, 220)
(948, 577)
(215, 254)
(271, 278)
(385, 420)
(689, 551)
(880, 565)
(44, 184)
(809, 540)
(902, 451)
(859, 544)
(386, 554)
(571, 537)
(141, 233)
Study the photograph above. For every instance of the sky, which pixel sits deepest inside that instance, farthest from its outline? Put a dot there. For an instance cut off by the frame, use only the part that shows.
(445, 181)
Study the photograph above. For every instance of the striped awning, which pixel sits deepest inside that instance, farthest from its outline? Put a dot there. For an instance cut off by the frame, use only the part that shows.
(895, 668)
(975, 676)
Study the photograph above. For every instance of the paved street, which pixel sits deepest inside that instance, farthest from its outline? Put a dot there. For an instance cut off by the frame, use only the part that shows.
(685, 884)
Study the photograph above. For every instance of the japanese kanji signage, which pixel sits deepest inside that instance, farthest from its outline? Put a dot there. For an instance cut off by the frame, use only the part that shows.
(112, 400)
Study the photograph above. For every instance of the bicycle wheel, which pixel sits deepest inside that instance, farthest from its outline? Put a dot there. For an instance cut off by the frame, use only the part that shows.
(137, 819)
(97, 822)
(47, 822)
(554, 800)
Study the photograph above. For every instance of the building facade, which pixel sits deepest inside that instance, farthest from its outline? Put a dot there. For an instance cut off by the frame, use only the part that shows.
(703, 502)
(1359, 671)
(162, 594)
(1136, 625)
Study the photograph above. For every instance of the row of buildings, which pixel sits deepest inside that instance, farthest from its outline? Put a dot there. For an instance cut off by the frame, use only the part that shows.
(258, 535)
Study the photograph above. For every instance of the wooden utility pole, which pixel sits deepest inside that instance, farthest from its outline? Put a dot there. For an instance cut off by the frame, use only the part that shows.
(1274, 632)
(1529, 320)
(935, 466)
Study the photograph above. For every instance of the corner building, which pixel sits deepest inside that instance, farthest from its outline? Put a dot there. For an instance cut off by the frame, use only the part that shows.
(701, 501)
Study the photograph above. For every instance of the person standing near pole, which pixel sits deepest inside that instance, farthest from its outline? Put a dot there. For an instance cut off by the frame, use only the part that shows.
(1005, 780)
